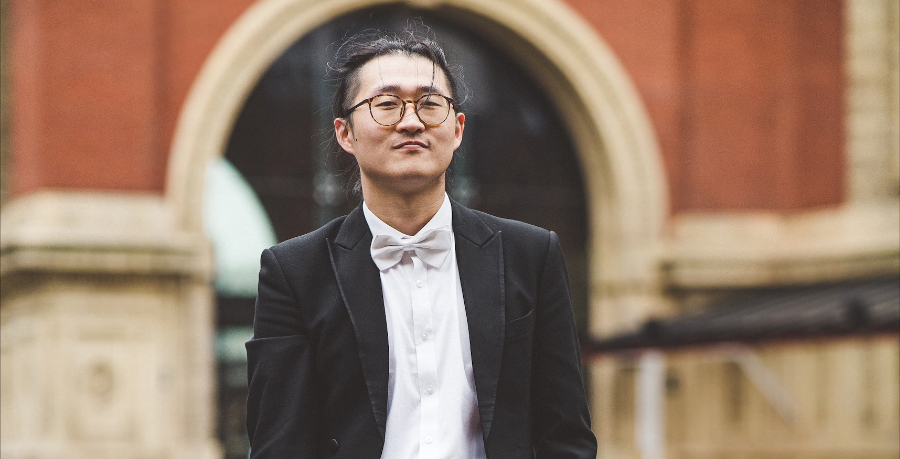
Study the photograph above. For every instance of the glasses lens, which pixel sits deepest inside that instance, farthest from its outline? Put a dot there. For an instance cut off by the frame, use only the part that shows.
(386, 109)
(432, 108)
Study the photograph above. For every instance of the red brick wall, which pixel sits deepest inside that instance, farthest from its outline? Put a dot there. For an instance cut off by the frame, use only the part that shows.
(644, 35)
(745, 95)
(194, 27)
(85, 89)
(98, 86)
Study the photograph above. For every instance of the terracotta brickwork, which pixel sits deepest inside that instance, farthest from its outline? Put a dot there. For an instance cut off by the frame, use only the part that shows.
(86, 90)
(98, 87)
(745, 99)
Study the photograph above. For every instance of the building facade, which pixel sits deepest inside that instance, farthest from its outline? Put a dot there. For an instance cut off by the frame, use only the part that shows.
(719, 147)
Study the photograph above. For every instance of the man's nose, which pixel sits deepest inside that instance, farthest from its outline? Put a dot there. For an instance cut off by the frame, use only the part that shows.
(410, 120)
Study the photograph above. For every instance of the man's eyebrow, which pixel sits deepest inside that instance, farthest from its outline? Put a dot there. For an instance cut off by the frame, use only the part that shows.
(395, 88)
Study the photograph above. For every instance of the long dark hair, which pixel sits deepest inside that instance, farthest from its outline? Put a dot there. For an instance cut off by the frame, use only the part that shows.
(415, 40)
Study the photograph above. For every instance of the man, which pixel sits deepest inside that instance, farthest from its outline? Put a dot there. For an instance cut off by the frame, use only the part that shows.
(413, 327)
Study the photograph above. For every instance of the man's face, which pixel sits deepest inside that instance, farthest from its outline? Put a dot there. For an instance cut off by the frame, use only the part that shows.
(408, 157)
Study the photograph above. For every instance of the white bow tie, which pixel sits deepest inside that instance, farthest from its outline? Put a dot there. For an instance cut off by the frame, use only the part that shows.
(432, 247)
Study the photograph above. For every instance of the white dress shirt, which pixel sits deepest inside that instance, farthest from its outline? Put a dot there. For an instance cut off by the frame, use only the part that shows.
(432, 406)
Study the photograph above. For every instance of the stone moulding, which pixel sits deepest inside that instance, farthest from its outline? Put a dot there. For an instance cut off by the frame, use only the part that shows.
(106, 322)
(101, 233)
(709, 251)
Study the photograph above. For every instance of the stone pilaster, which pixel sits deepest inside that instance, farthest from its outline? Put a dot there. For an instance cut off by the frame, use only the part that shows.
(873, 113)
(106, 331)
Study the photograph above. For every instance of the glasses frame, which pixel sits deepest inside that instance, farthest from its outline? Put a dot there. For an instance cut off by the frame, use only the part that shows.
(415, 104)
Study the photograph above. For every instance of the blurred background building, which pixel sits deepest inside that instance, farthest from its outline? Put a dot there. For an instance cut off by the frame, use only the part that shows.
(724, 177)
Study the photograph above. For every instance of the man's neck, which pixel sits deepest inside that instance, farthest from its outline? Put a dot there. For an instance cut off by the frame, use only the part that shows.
(407, 213)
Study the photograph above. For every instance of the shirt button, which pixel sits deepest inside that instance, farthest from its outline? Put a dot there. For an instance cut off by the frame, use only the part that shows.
(424, 336)
(428, 439)
(429, 389)
(419, 284)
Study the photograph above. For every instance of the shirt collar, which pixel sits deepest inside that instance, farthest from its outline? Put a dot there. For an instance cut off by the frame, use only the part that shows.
(442, 219)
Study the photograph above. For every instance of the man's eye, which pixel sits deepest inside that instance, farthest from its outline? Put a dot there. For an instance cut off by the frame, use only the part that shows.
(388, 105)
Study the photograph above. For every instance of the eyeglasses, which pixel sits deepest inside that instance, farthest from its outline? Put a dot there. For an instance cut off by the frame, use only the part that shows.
(388, 109)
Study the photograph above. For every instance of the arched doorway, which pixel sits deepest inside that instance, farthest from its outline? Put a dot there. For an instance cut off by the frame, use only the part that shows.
(517, 161)
(625, 201)
(612, 134)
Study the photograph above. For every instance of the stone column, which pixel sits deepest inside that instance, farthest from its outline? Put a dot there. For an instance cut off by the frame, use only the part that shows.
(106, 330)
(873, 111)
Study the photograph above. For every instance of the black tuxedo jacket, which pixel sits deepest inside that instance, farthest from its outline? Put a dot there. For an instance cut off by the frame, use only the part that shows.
(318, 361)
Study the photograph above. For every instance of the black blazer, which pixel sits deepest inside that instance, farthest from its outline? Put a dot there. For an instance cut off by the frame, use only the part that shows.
(318, 360)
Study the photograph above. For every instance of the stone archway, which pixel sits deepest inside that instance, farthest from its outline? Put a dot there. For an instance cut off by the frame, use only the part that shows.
(612, 133)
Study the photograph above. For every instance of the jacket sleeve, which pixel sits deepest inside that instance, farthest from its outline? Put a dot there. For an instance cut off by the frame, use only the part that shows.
(282, 408)
(561, 425)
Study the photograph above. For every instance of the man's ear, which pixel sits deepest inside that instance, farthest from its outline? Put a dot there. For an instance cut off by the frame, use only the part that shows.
(460, 127)
(343, 132)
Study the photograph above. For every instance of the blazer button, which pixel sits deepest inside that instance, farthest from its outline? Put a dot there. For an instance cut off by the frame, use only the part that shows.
(333, 446)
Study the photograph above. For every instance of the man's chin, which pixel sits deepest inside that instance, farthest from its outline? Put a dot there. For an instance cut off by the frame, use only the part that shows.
(411, 183)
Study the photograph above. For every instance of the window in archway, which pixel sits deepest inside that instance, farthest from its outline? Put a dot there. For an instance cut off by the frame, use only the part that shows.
(516, 161)
(239, 229)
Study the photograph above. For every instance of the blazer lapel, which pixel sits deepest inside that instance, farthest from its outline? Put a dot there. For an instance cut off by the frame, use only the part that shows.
(360, 284)
(479, 255)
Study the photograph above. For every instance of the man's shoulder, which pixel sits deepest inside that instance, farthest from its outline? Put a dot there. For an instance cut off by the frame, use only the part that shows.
(514, 231)
(514, 227)
(312, 241)
(525, 246)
